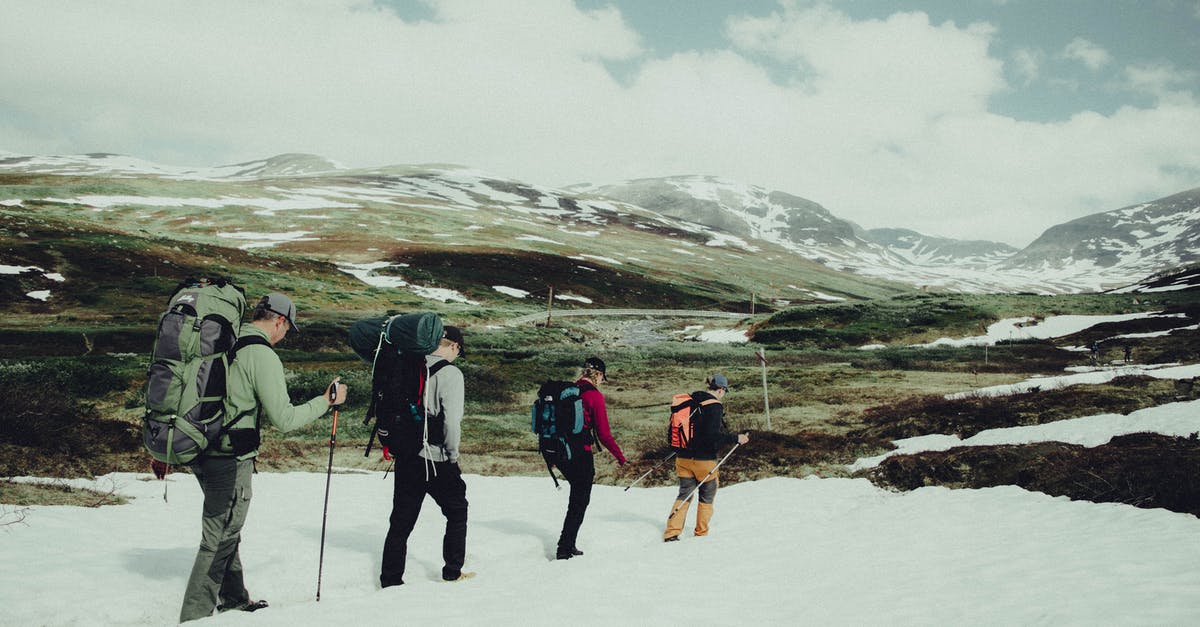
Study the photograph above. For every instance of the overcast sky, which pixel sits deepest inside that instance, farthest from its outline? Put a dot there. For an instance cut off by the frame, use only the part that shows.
(980, 120)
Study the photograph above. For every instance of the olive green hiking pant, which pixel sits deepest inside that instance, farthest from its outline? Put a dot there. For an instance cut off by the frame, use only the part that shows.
(217, 571)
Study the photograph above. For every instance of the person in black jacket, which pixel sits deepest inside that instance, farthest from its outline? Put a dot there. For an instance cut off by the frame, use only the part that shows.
(693, 464)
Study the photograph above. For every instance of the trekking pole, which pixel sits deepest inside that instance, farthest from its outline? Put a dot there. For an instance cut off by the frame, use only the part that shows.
(660, 463)
(687, 500)
(328, 477)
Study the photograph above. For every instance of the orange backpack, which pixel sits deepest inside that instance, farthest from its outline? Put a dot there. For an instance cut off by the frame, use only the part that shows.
(682, 427)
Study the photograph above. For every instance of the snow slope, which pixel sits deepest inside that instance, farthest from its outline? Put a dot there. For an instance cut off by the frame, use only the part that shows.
(781, 552)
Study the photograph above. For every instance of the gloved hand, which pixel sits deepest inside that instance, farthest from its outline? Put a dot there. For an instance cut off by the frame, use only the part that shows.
(387, 455)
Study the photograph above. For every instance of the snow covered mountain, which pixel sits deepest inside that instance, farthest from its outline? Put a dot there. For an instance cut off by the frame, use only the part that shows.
(474, 236)
(1098, 252)
(1103, 251)
(921, 249)
(811, 231)
(1117, 247)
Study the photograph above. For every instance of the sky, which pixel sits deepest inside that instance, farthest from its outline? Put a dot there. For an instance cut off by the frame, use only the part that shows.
(992, 119)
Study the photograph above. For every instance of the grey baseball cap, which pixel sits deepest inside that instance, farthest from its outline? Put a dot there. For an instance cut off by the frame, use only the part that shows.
(282, 305)
(718, 380)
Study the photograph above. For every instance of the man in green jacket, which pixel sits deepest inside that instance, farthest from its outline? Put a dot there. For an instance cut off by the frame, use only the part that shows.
(255, 388)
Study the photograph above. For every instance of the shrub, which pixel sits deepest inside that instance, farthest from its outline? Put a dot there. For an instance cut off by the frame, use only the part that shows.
(88, 377)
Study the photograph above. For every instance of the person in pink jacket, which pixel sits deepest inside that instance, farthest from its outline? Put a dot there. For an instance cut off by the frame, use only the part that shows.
(580, 470)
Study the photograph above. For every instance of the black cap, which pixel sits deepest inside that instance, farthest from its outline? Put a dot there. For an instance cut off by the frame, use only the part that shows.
(454, 334)
(595, 363)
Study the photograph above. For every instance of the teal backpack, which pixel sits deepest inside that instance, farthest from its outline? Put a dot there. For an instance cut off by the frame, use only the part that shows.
(185, 389)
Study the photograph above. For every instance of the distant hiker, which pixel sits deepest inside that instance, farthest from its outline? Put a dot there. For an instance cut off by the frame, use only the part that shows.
(1096, 351)
(580, 469)
(699, 458)
(255, 388)
(1128, 353)
(430, 466)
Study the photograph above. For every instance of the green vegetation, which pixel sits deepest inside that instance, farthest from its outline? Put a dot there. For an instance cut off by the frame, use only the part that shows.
(59, 492)
(74, 365)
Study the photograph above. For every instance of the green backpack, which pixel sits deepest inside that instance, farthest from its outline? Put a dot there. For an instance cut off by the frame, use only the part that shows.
(185, 390)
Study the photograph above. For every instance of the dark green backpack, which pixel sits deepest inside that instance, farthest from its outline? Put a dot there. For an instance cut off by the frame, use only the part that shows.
(185, 389)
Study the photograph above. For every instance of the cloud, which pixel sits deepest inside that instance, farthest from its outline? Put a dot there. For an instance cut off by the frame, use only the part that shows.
(1160, 79)
(885, 122)
(1027, 63)
(1087, 53)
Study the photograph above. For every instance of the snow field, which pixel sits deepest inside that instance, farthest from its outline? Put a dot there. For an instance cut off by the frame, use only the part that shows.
(782, 551)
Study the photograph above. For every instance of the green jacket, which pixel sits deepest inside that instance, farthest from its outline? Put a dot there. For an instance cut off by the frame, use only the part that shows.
(255, 387)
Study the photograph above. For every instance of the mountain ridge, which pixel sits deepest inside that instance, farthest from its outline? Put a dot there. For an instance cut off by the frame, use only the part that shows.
(1093, 253)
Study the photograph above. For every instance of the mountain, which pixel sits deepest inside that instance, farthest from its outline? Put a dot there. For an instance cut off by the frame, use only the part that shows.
(1094, 253)
(743, 210)
(445, 230)
(812, 232)
(1117, 247)
(921, 249)
(396, 234)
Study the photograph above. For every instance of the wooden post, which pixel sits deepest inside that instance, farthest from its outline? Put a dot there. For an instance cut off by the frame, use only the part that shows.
(762, 359)
(549, 305)
(753, 296)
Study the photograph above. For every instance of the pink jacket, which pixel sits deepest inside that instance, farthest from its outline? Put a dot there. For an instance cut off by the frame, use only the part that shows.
(595, 416)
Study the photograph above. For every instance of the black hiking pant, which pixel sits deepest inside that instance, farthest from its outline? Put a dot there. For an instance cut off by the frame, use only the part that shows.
(579, 472)
(411, 485)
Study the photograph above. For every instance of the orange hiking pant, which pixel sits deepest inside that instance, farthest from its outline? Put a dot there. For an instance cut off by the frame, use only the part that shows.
(691, 472)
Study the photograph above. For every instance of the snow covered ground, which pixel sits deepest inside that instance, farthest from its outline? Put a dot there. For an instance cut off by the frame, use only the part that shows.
(781, 552)
(1051, 327)
(1178, 419)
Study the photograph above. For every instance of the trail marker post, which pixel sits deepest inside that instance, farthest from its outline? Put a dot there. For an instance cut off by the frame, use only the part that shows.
(762, 359)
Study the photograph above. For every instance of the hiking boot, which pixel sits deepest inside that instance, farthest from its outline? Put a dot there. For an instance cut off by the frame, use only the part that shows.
(248, 606)
(671, 539)
(463, 576)
(566, 554)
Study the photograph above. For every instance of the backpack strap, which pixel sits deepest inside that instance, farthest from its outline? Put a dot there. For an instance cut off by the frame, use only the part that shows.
(242, 342)
(588, 436)
(438, 366)
(370, 413)
(247, 340)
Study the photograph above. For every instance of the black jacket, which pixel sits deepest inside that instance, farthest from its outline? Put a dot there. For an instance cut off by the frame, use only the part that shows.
(711, 433)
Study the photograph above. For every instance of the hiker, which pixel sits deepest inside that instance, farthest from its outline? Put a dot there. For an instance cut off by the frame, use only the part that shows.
(1128, 353)
(432, 469)
(695, 462)
(580, 469)
(255, 388)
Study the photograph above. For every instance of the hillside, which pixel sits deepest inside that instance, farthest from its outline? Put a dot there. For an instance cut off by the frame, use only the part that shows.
(394, 236)
(711, 242)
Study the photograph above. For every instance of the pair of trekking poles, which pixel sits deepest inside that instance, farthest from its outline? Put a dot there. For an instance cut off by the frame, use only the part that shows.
(688, 498)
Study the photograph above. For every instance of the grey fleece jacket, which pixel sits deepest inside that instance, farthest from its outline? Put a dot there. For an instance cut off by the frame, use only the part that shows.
(444, 392)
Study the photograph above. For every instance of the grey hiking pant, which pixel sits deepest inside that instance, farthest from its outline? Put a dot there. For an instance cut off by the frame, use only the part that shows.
(217, 571)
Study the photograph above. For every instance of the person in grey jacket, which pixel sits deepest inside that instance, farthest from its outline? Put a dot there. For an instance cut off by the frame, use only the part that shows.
(433, 470)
